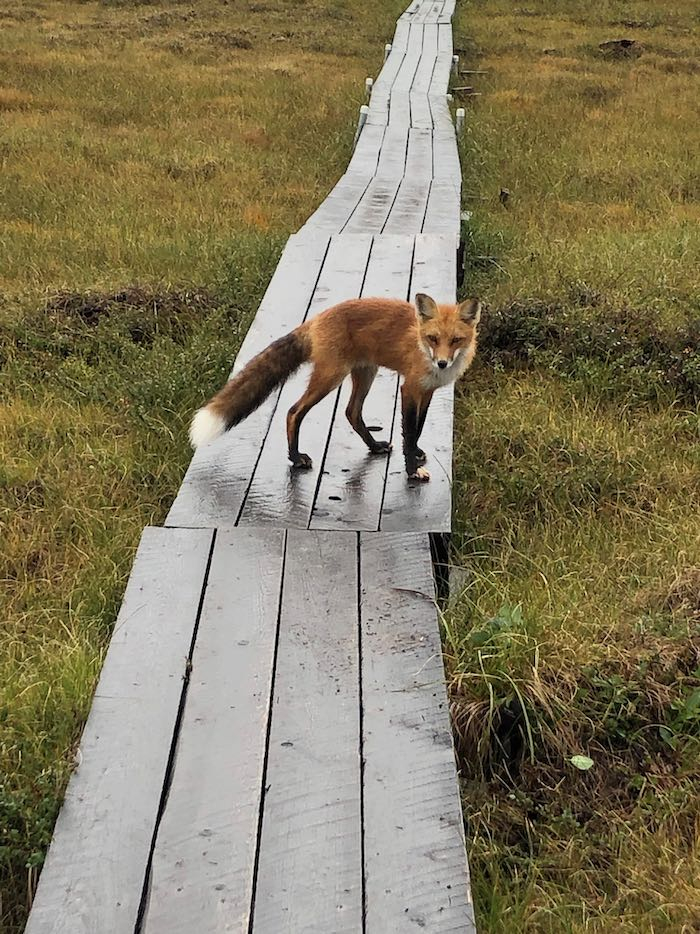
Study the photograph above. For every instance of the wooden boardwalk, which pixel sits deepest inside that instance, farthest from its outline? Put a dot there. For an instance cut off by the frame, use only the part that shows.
(269, 747)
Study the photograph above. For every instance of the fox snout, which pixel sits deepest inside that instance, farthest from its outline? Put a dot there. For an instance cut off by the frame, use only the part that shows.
(442, 364)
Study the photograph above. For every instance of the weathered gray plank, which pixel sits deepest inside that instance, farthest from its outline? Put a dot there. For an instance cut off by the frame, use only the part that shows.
(392, 159)
(445, 38)
(277, 493)
(374, 208)
(310, 869)
(352, 481)
(96, 864)
(204, 857)
(442, 213)
(427, 506)
(415, 861)
(420, 108)
(366, 155)
(333, 213)
(408, 210)
(446, 155)
(409, 66)
(219, 473)
(381, 90)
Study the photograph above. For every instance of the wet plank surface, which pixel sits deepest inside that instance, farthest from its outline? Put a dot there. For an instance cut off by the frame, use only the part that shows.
(415, 864)
(310, 865)
(94, 872)
(205, 850)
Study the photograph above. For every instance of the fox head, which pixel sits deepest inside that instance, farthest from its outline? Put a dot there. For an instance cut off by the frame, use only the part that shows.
(448, 332)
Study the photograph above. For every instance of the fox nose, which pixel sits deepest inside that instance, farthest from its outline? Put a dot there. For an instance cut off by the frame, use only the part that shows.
(442, 364)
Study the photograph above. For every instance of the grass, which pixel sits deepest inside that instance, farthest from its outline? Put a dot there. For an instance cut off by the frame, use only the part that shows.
(155, 158)
(576, 628)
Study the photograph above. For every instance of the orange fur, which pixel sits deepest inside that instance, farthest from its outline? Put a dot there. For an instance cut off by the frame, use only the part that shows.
(430, 345)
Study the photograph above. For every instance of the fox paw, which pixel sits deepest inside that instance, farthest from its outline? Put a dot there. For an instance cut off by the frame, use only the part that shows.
(421, 456)
(302, 462)
(421, 474)
(380, 447)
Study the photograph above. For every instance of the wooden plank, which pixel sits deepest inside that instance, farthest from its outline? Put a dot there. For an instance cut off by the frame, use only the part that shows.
(310, 868)
(204, 857)
(219, 474)
(407, 71)
(445, 38)
(352, 480)
(374, 208)
(392, 159)
(366, 155)
(415, 861)
(429, 12)
(333, 213)
(401, 34)
(381, 90)
(420, 108)
(278, 494)
(426, 506)
(446, 155)
(94, 872)
(442, 213)
(408, 210)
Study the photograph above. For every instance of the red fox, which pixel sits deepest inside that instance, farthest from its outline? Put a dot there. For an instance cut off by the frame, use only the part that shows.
(429, 349)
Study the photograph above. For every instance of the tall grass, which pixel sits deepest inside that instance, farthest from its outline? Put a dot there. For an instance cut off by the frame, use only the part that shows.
(573, 637)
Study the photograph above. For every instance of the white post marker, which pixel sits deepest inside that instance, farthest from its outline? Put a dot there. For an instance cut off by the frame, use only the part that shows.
(368, 88)
(455, 64)
(387, 50)
(364, 113)
(450, 98)
(459, 122)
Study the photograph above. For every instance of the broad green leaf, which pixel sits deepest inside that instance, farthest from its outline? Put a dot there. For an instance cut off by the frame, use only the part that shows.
(581, 762)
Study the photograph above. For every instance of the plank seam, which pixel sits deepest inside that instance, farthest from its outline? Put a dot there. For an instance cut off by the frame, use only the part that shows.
(273, 678)
(172, 756)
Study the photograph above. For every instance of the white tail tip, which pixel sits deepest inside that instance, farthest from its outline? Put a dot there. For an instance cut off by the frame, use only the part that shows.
(205, 427)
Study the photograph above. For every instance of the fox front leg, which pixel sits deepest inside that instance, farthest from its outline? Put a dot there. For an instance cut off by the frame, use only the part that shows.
(423, 411)
(410, 415)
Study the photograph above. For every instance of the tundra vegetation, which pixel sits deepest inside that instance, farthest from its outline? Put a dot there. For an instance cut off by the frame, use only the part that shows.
(573, 639)
(155, 158)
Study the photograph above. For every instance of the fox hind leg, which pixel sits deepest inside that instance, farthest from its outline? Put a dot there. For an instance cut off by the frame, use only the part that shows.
(320, 384)
(362, 379)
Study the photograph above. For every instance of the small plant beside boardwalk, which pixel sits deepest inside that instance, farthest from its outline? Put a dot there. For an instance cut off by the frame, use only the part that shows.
(573, 635)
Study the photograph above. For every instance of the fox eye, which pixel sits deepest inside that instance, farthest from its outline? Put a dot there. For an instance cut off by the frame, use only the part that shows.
(432, 338)
(456, 340)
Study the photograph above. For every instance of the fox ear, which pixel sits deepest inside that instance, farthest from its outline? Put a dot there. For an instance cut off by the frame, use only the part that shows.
(427, 308)
(470, 311)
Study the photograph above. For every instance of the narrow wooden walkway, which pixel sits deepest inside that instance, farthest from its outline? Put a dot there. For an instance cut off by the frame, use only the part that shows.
(269, 746)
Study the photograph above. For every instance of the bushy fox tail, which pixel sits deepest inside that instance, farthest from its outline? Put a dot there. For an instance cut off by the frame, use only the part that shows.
(249, 388)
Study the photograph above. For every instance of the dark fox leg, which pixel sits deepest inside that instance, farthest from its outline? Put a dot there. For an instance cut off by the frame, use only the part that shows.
(320, 384)
(425, 404)
(362, 379)
(410, 402)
